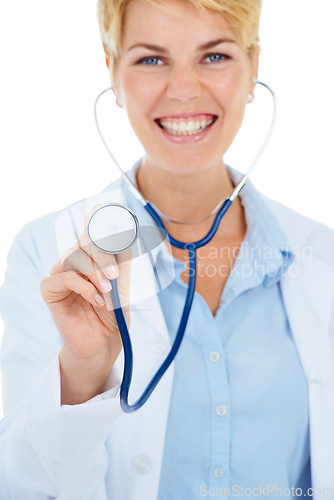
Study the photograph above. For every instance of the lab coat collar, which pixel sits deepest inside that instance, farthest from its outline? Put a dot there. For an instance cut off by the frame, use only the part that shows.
(308, 289)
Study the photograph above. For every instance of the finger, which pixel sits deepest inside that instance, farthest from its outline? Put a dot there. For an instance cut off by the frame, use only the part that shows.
(60, 266)
(59, 286)
(89, 214)
(76, 259)
(105, 261)
(123, 281)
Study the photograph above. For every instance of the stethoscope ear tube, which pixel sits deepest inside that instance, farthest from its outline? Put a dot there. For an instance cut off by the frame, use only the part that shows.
(133, 188)
(220, 210)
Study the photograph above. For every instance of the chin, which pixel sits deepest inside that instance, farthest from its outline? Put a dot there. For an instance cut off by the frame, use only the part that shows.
(185, 164)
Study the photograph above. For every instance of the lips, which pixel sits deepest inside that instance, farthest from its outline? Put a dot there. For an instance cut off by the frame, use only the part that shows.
(186, 125)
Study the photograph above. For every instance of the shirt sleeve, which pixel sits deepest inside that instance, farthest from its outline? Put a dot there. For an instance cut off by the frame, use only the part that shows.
(46, 450)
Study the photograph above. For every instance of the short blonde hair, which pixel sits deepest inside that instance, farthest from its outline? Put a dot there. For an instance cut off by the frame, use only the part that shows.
(242, 15)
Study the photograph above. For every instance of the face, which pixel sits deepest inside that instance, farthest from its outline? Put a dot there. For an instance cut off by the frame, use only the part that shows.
(184, 81)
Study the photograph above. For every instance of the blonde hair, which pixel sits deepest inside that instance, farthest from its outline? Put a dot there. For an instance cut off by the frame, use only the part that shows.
(242, 15)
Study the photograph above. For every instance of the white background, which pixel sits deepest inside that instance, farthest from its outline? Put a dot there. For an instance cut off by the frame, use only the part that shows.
(52, 67)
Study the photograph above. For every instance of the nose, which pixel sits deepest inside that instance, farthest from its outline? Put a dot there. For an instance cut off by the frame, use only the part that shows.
(184, 83)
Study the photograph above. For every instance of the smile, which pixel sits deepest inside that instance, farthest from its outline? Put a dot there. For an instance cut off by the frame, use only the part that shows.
(186, 126)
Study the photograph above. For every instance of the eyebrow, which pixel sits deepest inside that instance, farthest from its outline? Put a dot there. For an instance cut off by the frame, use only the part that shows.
(204, 46)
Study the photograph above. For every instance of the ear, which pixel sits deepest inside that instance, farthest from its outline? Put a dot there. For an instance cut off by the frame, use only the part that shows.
(255, 68)
(108, 63)
(118, 101)
(108, 58)
(117, 96)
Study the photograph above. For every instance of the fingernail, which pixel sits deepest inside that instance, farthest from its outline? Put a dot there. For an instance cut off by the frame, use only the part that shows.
(106, 286)
(99, 300)
(112, 272)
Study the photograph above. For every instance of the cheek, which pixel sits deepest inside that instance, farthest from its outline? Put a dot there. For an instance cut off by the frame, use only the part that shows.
(136, 84)
(137, 106)
(230, 89)
(135, 97)
(237, 87)
(141, 105)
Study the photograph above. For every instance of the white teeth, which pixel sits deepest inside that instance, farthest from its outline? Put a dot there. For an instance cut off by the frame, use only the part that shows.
(186, 128)
(191, 126)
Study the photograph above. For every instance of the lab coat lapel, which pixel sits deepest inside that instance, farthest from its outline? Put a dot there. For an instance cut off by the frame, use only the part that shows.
(308, 294)
(308, 299)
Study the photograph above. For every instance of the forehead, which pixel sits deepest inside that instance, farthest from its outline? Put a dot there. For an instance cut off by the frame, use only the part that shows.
(179, 21)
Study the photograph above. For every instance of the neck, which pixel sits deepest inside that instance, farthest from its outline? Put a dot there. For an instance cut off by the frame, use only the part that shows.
(191, 197)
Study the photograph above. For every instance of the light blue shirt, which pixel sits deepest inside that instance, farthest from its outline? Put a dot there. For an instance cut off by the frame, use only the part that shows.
(238, 418)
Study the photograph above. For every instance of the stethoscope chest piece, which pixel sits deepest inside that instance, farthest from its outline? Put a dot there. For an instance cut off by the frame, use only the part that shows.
(112, 228)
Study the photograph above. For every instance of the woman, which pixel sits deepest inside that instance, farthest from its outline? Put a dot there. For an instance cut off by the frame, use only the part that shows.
(249, 403)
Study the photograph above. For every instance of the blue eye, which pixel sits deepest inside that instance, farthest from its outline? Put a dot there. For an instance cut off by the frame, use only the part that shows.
(216, 57)
(151, 61)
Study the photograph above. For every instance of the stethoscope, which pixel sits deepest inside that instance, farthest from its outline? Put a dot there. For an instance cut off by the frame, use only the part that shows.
(114, 228)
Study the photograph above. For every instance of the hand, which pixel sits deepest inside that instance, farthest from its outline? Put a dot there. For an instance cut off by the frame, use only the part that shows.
(82, 311)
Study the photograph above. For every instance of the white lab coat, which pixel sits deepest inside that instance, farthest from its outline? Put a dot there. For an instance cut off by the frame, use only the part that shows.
(93, 451)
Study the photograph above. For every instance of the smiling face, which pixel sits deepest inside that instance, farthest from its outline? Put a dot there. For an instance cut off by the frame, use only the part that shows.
(184, 81)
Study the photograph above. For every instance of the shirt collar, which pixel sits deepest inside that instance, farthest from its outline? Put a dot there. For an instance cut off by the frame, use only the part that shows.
(265, 246)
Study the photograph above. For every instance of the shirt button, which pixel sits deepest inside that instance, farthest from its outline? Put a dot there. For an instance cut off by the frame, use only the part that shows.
(221, 410)
(158, 346)
(214, 356)
(141, 464)
(218, 472)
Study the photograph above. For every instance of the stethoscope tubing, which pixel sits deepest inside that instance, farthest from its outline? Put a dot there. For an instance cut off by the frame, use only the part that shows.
(157, 216)
(124, 332)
